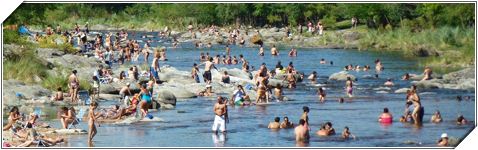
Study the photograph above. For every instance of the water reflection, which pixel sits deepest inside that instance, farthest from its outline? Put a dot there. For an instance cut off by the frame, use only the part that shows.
(302, 144)
(219, 139)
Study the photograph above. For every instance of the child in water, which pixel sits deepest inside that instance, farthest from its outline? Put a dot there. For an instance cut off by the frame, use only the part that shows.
(91, 121)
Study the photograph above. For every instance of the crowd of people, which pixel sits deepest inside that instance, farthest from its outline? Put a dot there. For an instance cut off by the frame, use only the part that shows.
(120, 48)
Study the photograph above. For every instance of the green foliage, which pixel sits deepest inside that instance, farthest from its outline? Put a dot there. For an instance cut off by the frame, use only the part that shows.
(25, 69)
(178, 16)
(53, 82)
(51, 42)
(454, 45)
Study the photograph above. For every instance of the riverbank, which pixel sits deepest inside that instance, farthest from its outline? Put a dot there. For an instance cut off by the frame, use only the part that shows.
(49, 65)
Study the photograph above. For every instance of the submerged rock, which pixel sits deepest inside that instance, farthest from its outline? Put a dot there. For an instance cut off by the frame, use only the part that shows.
(341, 76)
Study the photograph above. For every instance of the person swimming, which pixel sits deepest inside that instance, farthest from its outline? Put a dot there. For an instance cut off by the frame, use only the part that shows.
(326, 129)
(461, 120)
(346, 133)
(385, 117)
(322, 94)
(313, 76)
(275, 124)
(443, 141)
(274, 51)
(286, 124)
(349, 86)
(436, 118)
(388, 82)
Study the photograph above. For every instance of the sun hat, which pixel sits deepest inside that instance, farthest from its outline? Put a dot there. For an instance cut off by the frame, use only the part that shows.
(444, 135)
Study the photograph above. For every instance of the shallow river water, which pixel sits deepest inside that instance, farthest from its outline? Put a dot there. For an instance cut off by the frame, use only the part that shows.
(189, 124)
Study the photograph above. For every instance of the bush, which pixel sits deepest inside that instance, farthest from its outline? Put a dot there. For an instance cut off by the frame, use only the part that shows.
(12, 36)
(26, 69)
(51, 42)
(53, 82)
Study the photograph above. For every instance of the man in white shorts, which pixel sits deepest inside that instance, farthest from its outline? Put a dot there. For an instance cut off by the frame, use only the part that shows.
(220, 111)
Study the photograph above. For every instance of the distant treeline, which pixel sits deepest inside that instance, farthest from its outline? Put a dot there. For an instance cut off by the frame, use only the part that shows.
(415, 15)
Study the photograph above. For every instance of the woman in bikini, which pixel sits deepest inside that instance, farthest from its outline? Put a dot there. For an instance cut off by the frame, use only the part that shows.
(74, 86)
(13, 117)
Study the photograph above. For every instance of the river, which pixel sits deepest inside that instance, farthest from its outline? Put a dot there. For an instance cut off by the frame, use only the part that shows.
(189, 124)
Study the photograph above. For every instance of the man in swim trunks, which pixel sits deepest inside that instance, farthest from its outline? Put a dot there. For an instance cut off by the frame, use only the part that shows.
(207, 71)
(220, 111)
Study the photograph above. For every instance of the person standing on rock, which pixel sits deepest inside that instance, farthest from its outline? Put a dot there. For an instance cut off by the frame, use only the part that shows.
(207, 70)
(155, 66)
(74, 85)
(220, 111)
(300, 29)
(354, 22)
(146, 50)
(194, 73)
(310, 26)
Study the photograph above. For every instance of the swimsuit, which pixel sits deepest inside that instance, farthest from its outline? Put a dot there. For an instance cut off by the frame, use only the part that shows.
(207, 75)
(386, 120)
(146, 97)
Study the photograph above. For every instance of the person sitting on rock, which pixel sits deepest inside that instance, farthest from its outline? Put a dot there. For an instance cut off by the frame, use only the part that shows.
(225, 78)
(240, 97)
(207, 92)
(58, 95)
(427, 73)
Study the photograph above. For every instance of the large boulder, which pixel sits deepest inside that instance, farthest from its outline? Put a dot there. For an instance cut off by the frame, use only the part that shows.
(429, 84)
(178, 91)
(341, 76)
(166, 97)
(75, 61)
(14, 89)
